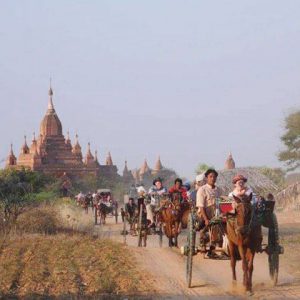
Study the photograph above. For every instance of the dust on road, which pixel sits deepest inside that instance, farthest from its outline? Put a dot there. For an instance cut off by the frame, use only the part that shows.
(211, 278)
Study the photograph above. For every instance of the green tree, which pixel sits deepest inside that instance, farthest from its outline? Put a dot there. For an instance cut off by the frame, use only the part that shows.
(291, 140)
(17, 191)
(201, 168)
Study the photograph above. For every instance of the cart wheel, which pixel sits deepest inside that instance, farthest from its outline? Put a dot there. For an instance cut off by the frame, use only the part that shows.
(191, 248)
(273, 250)
(160, 235)
(140, 227)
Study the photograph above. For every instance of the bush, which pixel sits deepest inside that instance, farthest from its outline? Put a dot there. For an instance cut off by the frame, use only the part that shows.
(42, 219)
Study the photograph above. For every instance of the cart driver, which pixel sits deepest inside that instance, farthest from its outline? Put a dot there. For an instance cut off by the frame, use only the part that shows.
(157, 190)
(178, 188)
(206, 201)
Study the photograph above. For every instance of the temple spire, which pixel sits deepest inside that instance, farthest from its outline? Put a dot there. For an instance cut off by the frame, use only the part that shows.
(109, 161)
(50, 93)
(96, 156)
(125, 171)
(11, 159)
(144, 168)
(89, 159)
(229, 163)
(25, 148)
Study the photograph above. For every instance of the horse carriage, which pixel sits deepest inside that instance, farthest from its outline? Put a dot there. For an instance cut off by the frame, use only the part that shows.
(217, 240)
(104, 204)
(84, 201)
(158, 215)
(144, 219)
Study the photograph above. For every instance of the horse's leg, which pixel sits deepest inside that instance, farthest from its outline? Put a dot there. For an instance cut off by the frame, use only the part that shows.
(145, 238)
(169, 230)
(176, 234)
(244, 265)
(251, 255)
(232, 261)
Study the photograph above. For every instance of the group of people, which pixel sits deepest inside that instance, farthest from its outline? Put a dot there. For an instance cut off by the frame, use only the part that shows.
(204, 196)
(153, 196)
(95, 198)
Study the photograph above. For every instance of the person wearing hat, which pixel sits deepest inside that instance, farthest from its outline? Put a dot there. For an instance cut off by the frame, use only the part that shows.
(206, 202)
(241, 190)
(157, 188)
(156, 191)
(199, 181)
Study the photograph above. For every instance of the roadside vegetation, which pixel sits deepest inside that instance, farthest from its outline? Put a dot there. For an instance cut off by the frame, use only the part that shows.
(47, 247)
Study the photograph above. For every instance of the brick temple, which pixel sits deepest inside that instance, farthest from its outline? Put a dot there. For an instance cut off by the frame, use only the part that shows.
(53, 153)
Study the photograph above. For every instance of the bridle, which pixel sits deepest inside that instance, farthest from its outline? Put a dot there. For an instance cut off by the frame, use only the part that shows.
(244, 229)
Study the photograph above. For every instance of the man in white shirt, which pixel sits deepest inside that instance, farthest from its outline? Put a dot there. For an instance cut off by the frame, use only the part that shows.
(206, 201)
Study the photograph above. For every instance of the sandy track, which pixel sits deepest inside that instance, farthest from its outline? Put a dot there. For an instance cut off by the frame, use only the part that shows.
(211, 278)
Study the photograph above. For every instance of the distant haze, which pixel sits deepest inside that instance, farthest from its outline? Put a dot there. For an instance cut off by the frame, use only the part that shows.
(189, 80)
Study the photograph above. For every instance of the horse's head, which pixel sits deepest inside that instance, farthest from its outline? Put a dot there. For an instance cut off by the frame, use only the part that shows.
(176, 197)
(244, 214)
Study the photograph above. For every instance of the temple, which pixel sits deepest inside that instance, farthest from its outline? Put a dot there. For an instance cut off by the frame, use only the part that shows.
(51, 153)
(229, 163)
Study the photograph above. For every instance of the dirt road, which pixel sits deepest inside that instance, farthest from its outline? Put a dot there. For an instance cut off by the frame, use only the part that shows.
(211, 278)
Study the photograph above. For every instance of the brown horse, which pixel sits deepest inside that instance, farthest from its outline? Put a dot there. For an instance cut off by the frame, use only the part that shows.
(185, 213)
(244, 239)
(170, 215)
(84, 202)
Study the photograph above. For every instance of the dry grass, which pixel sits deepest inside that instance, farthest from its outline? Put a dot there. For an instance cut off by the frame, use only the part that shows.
(57, 217)
(60, 265)
(52, 254)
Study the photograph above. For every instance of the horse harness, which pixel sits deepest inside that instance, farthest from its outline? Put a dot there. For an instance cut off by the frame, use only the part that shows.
(244, 229)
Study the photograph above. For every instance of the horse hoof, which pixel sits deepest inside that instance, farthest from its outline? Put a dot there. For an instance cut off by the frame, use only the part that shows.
(249, 293)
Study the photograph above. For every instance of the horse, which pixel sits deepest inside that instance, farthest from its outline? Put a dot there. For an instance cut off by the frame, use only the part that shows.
(85, 203)
(104, 210)
(185, 213)
(244, 237)
(170, 215)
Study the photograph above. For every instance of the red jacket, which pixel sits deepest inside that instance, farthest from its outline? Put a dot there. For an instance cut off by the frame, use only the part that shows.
(182, 191)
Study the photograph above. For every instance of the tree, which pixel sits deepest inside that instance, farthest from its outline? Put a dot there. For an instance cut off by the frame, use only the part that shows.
(201, 168)
(291, 139)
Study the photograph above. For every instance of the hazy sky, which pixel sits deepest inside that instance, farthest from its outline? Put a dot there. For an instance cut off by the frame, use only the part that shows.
(189, 80)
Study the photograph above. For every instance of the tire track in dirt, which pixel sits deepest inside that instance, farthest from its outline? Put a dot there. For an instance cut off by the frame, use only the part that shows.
(211, 278)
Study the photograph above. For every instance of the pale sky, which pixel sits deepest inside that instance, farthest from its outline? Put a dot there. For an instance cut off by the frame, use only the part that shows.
(189, 80)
